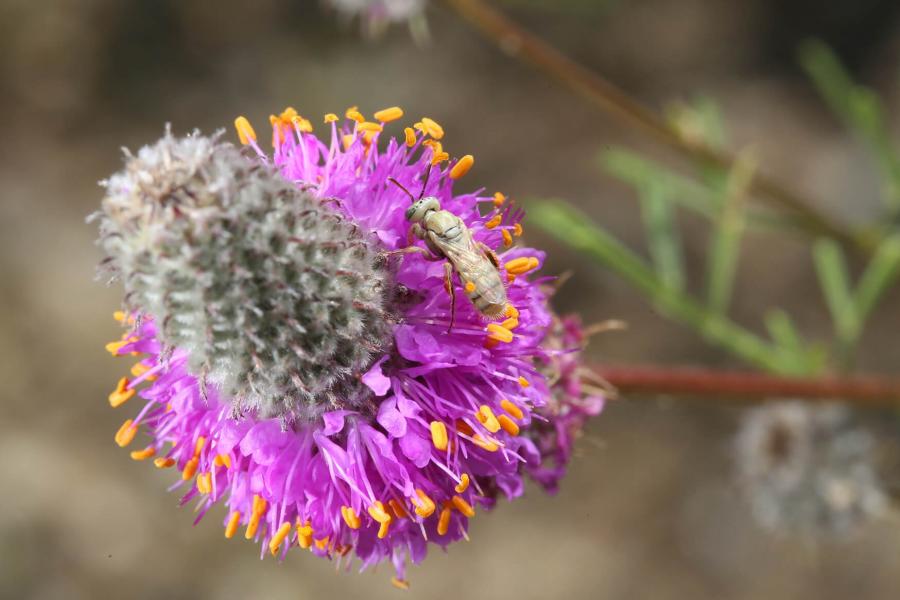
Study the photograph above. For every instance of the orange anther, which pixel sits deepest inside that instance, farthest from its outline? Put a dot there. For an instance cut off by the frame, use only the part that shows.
(164, 463)
(281, 533)
(398, 509)
(121, 394)
(198, 446)
(252, 526)
(517, 229)
(432, 128)
(444, 521)
(233, 522)
(126, 433)
(499, 333)
(510, 277)
(470, 287)
(369, 126)
(119, 316)
(383, 528)
(511, 311)
(204, 483)
(507, 238)
(222, 460)
(494, 222)
(259, 504)
(244, 130)
(347, 140)
(510, 323)
(520, 265)
(143, 454)
(350, 517)
(189, 469)
(463, 484)
(378, 512)
(114, 347)
(462, 506)
(485, 444)
(322, 543)
(512, 409)
(139, 369)
(386, 115)
(499, 199)
(331, 118)
(524, 382)
(424, 505)
(400, 584)
(462, 166)
(508, 425)
(354, 114)
(410, 136)
(439, 435)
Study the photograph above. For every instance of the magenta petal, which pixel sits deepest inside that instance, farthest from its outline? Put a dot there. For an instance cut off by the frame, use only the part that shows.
(334, 421)
(416, 449)
(391, 419)
(376, 380)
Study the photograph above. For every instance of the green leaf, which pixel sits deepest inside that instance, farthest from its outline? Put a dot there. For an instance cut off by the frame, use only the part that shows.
(880, 274)
(834, 281)
(662, 234)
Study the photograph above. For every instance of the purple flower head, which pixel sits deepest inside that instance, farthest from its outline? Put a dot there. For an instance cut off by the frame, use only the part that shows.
(449, 418)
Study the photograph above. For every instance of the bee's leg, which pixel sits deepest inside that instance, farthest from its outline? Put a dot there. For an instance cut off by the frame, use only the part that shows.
(414, 250)
(491, 255)
(448, 285)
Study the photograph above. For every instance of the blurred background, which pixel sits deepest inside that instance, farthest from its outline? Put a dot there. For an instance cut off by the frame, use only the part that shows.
(650, 507)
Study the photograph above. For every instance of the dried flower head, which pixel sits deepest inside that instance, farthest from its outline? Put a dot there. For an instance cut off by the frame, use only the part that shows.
(807, 468)
(245, 276)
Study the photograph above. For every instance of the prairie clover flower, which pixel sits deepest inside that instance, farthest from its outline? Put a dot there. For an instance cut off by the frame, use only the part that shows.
(808, 469)
(299, 370)
(376, 15)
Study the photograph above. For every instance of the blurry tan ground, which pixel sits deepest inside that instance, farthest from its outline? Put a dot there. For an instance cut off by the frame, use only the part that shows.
(648, 510)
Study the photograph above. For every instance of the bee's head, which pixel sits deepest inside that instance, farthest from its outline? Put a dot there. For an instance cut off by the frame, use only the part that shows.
(420, 208)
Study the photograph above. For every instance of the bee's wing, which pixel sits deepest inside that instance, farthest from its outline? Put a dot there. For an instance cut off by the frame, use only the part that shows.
(463, 254)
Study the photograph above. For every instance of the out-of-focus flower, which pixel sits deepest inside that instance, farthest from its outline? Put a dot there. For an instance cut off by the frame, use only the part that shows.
(808, 469)
(246, 275)
(376, 15)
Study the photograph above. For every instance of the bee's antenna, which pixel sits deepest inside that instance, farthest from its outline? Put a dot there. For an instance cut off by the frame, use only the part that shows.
(400, 185)
(425, 183)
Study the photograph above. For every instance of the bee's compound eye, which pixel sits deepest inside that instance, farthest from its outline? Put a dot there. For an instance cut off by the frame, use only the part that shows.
(411, 211)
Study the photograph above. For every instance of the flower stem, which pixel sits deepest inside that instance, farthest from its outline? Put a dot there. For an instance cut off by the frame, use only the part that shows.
(523, 45)
(734, 385)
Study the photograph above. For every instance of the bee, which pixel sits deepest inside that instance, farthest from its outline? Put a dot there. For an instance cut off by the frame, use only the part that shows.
(447, 238)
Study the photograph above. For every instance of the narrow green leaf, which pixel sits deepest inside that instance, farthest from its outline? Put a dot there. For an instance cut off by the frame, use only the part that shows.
(880, 274)
(834, 281)
(662, 234)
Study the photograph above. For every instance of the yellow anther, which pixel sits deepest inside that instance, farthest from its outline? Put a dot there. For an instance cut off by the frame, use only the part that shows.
(510, 323)
(244, 130)
(507, 238)
(350, 517)
(233, 521)
(347, 140)
(139, 369)
(484, 443)
(198, 446)
(164, 463)
(523, 264)
(517, 229)
(304, 529)
(189, 469)
(259, 504)
(143, 454)
(439, 157)
(490, 343)
(487, 418)
(463, 484)
(424, 505)
(204, 483)
(462, 166)
(512, 312)
(378, 512)
(499, 198)
(369, 137)
(344, 549)
(281, 533)
(444, 521)
(331, 118)
(495, 220)
(398, 509)
(222, 460)
(510, 277)
(126, 433)
(389, 114)
(470, 287)
(114, 347)
(499, 333)
(302, 125)
(524, 382)
(369, 126)
(439, 435)
(462, 506)
(432, 128)
(322, 543)
(354, 114)
(119, 316)
(288, 114)
(121, 394)
(512, 409)
(252, 526)
(383, 528)
(508, 425)
(410, 136)
(400, 584)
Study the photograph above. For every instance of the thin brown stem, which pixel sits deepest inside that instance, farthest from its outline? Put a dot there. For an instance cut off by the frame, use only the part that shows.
(521, 44)
(732, 385)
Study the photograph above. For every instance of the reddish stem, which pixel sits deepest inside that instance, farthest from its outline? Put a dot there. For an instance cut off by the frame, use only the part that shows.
(730, 385)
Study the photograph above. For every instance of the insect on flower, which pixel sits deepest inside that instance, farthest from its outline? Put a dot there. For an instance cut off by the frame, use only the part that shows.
(447, 237)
